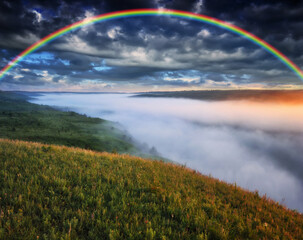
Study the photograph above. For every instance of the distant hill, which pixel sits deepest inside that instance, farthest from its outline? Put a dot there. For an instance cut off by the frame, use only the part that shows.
(53, 192)
(22, 120)
(285, 96)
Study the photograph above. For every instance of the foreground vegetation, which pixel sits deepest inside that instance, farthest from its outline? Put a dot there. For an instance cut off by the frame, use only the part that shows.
(22, 120)
(52, 192)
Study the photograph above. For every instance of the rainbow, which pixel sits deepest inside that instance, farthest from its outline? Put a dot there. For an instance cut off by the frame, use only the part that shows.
(154, 12)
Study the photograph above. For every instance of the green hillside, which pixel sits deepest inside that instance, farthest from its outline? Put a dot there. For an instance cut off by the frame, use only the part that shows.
(22, 120)
(53, 192)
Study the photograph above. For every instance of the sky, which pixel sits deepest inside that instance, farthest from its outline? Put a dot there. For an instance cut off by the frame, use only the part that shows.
(150, 53)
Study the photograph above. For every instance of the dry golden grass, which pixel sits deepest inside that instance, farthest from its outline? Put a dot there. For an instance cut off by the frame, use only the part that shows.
(54, 192)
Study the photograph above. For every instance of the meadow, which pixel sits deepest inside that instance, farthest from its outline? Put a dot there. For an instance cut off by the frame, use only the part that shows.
(53, 192)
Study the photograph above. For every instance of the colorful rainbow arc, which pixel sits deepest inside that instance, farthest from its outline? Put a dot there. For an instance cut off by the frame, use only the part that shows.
(154, 12)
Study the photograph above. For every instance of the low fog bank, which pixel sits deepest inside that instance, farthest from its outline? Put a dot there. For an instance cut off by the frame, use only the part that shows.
(257, 145)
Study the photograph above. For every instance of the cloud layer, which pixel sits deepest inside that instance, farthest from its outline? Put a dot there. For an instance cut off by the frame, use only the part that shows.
(150, 52)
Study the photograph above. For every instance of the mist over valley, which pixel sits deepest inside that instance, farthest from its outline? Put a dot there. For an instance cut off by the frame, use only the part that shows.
(255, 144)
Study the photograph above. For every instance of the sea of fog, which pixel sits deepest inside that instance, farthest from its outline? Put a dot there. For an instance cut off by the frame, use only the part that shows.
(258, 146)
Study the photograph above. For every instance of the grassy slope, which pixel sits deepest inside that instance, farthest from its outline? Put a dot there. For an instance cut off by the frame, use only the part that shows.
(53, 192)
(20, 119)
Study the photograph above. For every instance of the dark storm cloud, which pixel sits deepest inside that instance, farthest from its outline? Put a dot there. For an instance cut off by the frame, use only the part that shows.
(179, 4)
(274, 21)
(143, 48)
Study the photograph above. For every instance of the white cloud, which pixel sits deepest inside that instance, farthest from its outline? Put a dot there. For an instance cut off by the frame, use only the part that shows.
(183, 79)
(114, 32)
(18, 76)
(39, 17)
(204, 33)
(199, 6)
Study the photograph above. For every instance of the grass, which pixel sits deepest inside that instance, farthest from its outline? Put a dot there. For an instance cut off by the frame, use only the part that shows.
(54, 192)
(20, 119)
